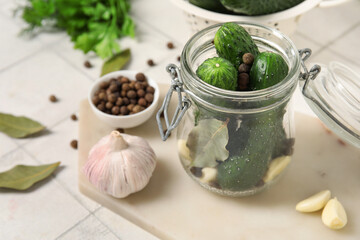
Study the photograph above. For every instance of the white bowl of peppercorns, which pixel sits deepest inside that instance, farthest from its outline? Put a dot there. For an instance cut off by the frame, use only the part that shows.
(124, 99)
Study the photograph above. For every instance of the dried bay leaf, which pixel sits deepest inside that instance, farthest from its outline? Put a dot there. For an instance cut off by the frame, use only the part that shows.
(21, 177)
(207, 142)
(116, 62)
(18, 127)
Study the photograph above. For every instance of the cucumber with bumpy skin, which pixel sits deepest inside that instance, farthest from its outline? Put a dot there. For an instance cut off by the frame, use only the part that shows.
(212, 5)
(218, 72)
(232, 41)
(252, 153)
(259, 7)
(268, 69)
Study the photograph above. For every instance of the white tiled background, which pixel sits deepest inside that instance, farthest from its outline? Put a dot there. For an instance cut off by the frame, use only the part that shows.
(31, 70)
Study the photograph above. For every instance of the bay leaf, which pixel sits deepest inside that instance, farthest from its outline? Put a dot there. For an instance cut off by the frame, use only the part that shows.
(116, 62)
(207, 142)
(18, 127)
(21, 177)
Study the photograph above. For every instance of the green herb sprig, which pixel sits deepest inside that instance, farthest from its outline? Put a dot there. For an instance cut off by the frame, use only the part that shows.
(93, 25)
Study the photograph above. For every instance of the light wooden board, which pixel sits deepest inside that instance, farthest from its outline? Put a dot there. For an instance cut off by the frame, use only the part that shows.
(172, 206)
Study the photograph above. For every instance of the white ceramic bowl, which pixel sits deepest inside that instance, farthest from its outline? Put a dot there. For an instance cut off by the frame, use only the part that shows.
(128, 121)
(285, 21)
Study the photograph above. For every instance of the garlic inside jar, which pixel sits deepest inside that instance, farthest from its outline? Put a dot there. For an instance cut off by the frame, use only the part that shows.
(120, 164)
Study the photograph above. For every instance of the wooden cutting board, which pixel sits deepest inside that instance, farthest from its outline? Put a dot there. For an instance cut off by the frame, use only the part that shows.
(172, 206)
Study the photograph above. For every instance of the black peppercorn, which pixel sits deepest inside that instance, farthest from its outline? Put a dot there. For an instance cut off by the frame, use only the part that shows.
(124, 110)
(150, 89)
(115, 110)
(131, 94)
(150, 62)
(119, 101)
(74, 144)
(149, 97)
(73, 117)
(170, 45)
(244, 68)
(109, 105)
(140, 93)
(142, 102)
(248, 58)
(140, 77)
(53, 98)
(87, 64)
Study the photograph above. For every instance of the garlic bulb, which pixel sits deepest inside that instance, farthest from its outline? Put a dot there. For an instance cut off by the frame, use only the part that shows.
(120, 164)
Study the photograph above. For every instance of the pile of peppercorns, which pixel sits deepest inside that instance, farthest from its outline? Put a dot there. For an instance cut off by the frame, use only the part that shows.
(244, 70)
(122, 96)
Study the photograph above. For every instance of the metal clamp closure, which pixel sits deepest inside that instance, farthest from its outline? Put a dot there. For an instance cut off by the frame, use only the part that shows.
(183, 103)
(307, 75)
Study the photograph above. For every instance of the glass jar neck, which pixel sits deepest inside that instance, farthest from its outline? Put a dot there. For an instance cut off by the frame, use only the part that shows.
(200, 48)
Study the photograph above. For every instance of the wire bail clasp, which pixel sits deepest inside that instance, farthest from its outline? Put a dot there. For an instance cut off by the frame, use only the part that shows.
(307, 75)
(183, 103)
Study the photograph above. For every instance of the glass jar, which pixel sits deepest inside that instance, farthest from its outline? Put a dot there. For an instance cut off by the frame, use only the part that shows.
(234, 143)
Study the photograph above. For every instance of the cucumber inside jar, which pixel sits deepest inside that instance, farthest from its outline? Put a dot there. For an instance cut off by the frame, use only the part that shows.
(236, 153)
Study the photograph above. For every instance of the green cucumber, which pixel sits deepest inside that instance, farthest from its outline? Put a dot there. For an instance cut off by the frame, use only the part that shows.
(212, 5)
(259, 7)
(268, 69)
(232, 41)
(218, 72)
(251, 149)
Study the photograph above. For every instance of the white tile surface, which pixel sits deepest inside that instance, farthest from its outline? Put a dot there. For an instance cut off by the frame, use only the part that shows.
(302, 41)
(349, 45)
(166, 18)
(6, 144)
(26, 87)
(90, 228)
(13, 48)
(56, 147)
(326, 24)
(327, 55)
(121, 227)
(42, 212)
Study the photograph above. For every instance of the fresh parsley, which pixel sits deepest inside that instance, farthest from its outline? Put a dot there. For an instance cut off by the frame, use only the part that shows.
(93, 25)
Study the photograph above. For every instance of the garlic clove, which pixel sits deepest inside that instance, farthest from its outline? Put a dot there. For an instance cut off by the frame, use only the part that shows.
(314, 203)
(276, 167)
(183, 150)
(334, 215)
(120, 164)
(208, 174)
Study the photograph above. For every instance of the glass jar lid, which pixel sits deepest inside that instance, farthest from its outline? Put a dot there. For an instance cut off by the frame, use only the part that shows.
(334, 96)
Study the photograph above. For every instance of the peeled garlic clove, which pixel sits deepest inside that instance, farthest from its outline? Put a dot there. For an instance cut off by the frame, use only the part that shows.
(276, 167)
(314, 203)
(183, 149)
(208, 174)
(334, 215)
(120, 164)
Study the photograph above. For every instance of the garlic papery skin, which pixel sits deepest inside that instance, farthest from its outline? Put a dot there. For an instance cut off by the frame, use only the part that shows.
(120, 164)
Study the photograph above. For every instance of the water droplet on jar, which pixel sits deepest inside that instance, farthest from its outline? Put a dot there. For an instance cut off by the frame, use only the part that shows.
(229, 172)
(238, 169)
(247, 160)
